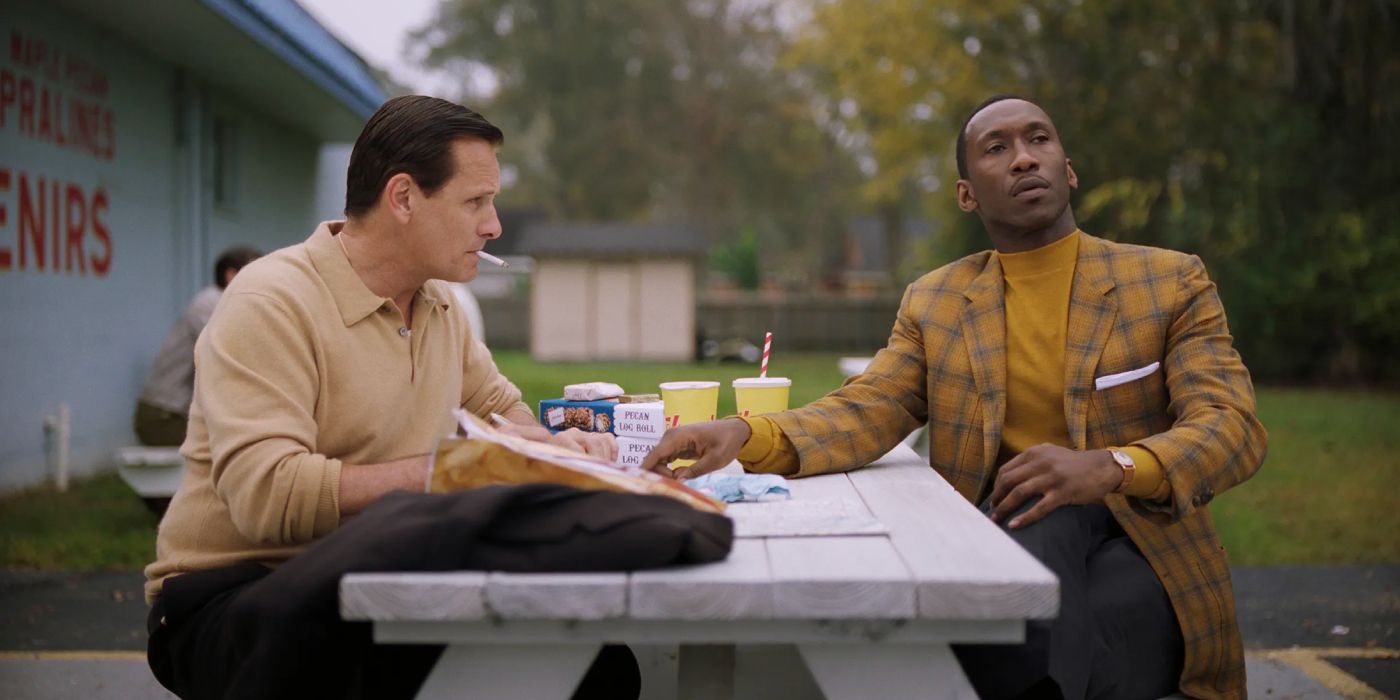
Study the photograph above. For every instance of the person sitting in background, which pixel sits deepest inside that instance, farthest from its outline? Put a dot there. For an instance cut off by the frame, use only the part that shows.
(163, 409)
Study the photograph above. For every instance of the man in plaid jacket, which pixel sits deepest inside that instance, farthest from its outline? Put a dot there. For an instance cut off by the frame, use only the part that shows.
(1086, 393)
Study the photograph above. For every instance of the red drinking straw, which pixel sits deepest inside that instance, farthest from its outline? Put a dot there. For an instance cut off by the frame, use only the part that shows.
(767, 348)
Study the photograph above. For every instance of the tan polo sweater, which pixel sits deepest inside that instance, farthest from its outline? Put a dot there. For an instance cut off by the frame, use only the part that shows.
(301, 367)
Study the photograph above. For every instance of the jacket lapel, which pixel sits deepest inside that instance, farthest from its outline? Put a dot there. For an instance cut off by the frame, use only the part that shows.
(1092, 313)
(984, 332)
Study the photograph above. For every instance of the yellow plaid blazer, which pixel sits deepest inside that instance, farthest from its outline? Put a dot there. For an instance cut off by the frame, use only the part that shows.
(1130, 306)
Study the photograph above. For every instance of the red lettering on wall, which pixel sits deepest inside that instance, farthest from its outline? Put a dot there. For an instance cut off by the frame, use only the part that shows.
(57, 242)
(58, 226)
(45, 123)
(26, 105)
(50, 116)
(32, 226)
(4, 217)
(99, 230)
(55, 97)
(75, 224)
(7, 95)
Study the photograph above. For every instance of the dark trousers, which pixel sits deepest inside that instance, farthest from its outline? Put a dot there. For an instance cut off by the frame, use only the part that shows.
(209, 655)
(1116, 635)
(157, 427)
(246, 631)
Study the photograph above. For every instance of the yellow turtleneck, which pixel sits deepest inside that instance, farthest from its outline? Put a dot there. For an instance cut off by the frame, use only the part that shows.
(1037, 314)
(1038, 286)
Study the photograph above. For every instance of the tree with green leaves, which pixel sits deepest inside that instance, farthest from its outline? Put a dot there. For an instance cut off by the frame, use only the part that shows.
(635, 110)
(1264, 136)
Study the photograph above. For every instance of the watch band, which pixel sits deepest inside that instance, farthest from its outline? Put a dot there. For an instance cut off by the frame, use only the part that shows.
(1125, 461)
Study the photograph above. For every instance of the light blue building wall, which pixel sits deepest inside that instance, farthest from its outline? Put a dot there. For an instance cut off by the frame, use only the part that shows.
(168, 130)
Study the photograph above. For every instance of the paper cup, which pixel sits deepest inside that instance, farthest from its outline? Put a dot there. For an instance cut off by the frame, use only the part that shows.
(687, 403)
(756, 396)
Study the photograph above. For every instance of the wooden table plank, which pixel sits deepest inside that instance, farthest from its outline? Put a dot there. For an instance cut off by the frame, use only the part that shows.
(457, 595)
(965, 566)
(867, 631)
(830, 486)
(739, 587)
(823, 506)
(553, 596)
(839, 578)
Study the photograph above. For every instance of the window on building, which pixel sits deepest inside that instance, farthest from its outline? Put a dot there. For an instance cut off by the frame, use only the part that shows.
(225, 163)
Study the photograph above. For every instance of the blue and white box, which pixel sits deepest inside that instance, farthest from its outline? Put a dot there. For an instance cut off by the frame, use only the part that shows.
(646, 421)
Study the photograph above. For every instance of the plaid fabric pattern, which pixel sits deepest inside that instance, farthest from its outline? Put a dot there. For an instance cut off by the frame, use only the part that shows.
(1130, 306)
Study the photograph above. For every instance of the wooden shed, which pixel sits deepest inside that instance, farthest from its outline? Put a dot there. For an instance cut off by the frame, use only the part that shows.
(613, 291)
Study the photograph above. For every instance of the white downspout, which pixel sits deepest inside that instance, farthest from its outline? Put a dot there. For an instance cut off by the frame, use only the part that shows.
(58, 429)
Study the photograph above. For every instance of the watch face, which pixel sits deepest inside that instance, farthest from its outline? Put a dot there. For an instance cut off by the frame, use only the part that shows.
(1122, 458)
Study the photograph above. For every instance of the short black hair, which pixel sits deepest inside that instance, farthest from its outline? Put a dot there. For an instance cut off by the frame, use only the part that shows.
(233, 259)
(962, 132)
(411, 134)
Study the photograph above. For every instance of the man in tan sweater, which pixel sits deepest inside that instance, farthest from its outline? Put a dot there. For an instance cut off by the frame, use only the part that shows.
(326, 376)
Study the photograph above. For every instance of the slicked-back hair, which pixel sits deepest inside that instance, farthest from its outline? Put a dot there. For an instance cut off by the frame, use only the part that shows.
(413, 135)
(962, 133)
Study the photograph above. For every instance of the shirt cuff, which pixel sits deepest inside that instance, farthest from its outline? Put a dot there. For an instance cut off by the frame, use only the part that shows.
(328, 500)
(768, 450)
(1149, 481)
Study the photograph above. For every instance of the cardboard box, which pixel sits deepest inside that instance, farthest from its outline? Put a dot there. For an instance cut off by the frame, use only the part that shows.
(640, 420)
(588, 416)
(631, 451)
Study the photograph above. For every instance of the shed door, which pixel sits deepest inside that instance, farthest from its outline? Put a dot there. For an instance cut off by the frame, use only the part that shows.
(615, 299)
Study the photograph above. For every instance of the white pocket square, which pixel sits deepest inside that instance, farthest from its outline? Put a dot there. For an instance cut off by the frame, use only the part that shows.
(1108, 381)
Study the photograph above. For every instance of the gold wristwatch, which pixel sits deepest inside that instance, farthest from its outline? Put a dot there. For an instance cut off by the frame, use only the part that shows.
(1125, 461)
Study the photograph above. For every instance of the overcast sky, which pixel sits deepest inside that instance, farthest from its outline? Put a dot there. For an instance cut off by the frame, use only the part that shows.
(376, 30)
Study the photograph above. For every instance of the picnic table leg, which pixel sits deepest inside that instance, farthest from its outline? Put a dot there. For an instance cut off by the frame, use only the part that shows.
(893, 671)
(706, 672)
(508, 671)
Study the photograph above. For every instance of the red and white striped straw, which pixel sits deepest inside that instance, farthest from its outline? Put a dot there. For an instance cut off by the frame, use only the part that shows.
(767, 348)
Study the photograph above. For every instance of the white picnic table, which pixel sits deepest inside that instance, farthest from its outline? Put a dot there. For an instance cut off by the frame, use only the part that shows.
(864, 611)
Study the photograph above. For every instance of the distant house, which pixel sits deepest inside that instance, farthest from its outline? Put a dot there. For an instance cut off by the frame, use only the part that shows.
(612, 291)
(865, 263)
(139, 140)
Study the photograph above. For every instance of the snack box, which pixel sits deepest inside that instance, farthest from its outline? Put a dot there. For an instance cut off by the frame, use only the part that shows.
(631, 451)
(640, 420)
(588, 416)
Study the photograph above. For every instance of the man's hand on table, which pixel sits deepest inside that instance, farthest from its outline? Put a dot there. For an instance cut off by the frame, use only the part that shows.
(712, 445)
(600, 445)
(1059, 475)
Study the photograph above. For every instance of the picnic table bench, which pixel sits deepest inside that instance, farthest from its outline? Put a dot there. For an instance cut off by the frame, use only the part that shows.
(873, 609)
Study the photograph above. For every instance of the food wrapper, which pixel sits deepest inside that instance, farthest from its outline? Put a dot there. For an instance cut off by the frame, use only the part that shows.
(588, 416)
(592, 391)
(486, 456)
(631, 451)
(735, 488)
(640, 420)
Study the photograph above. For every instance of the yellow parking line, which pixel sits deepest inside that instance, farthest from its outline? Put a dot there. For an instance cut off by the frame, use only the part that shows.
(1313, 662)
(72, 656)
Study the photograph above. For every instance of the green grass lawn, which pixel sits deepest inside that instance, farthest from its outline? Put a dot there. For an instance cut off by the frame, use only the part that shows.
(1326, 493)
(99, 523)
(812, 375)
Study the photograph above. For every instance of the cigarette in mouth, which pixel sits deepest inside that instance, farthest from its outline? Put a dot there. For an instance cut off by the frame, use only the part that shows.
(491, 259)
